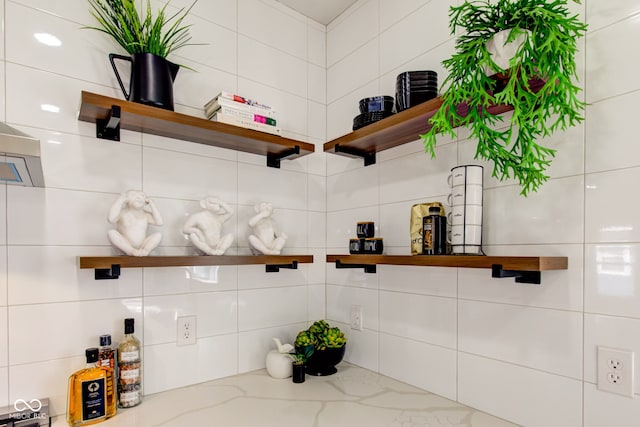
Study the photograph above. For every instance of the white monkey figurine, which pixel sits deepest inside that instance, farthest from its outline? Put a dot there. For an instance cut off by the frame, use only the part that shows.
(131, 214)
(204, 228)
(265, 239)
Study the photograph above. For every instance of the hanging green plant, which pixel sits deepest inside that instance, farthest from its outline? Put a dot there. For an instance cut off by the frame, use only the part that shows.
(538, 82)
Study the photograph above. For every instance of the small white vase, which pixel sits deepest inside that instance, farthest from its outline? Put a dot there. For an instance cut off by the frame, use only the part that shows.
(501, 52)
(279, 364)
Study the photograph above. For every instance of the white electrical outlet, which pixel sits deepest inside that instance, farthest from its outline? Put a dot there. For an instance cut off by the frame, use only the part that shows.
(186, 330)
(356, 317)
(615, 371)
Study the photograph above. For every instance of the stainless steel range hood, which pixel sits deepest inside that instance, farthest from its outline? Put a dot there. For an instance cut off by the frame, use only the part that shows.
(19, 158)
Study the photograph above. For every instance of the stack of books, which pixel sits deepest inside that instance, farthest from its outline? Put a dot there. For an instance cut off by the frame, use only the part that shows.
(239, 111)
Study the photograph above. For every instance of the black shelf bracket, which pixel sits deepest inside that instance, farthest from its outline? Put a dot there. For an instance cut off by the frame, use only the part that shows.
(275, 268)
(369, 158)
(109, 128)
(368, 268)
(108, 273)
(273, 159)
(531, 277)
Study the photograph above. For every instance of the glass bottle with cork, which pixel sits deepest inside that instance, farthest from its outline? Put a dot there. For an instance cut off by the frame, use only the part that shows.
(129, 368)
(106, 359)
(87, 398)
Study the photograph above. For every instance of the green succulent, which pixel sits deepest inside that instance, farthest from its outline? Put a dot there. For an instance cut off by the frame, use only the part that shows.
(321, 336)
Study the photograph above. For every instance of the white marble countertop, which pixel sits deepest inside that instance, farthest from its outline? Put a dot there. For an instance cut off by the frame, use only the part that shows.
(351, 397)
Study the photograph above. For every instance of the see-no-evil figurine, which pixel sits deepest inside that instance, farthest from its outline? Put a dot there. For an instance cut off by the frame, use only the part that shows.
(204, 228)
(265, 239)
(131, 214)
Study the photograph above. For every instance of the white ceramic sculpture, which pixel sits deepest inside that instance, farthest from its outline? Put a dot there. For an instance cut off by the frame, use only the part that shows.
(265, 239)
(279, 361)
(204, 228)
(131, 214)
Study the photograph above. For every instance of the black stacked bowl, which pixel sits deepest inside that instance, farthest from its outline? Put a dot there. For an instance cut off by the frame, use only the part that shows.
(373, 109)
(415, 87)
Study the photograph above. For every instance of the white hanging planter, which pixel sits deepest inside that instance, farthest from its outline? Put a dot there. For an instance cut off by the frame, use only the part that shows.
(502, 52)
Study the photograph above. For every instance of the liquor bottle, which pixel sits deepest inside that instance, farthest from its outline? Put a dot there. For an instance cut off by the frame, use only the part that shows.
(106, 357)
(87, 399)
(434, 233)
(129, 368)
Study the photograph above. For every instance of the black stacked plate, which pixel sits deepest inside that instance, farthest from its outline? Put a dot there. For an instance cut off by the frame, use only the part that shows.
(373, 109)
(415, 87)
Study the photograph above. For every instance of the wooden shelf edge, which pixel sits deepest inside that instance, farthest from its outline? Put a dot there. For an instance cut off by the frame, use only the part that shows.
(519, 263)
(189, 261)
(157, 121)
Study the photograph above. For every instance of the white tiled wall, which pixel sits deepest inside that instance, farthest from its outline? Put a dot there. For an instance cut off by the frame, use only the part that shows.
(50, 310)
(526, 353)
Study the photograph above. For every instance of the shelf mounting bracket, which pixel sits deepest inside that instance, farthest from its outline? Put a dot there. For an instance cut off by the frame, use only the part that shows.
(108, 273)
(531, 277)
(369, 158)
(368, 268)
(273, 159)
(109, 128)
(275, 268)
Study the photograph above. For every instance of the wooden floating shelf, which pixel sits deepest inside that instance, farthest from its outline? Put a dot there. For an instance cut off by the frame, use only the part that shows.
(526, 269)
(108, 267)
(398, 129)
(157, 121)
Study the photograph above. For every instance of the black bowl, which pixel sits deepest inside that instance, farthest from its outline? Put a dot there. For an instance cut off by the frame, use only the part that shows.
(376, 103)
(323, 362)
(418, 74)
(364, 119)
(404, 101)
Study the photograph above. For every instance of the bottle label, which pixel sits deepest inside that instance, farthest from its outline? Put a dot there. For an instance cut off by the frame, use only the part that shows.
(130, 356)
(129, 374)
(130, 398)
(93, 399)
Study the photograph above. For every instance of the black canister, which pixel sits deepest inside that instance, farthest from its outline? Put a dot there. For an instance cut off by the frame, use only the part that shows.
(434, 233)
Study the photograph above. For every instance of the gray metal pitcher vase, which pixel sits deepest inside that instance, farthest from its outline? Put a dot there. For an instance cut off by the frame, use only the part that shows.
(151, 80)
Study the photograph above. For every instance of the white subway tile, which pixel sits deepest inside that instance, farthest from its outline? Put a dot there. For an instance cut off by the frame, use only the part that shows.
(4, 331)
(552, 342)
(257, 20)
(362, 346)
(3, 276)
(610, 71)
(353, 189)
(607, 409)
(221, 12)
(340, 114)
(316, 44)
(213, 46)
(612, 332)
(353, 30)
(62, 217)
(395, 229)
(4, 386)
(318, 269)
(317, 193)
(419, 317)
(317, 117)
(354, 71)
(434, 281)
(506, 391)
(317, 83)
(66, 8)
(45, 379)
(417, 176)
(355, 277)
(255, 276)
(189, 280)
(606, 189)
(284, 189)
(392, 12)
(49, 331)
(341, 298)
(429, 24)
(253, 346)
(341, 225)
(404, 360)
(317, 229)
(216, 314)
(271, 66)
(611, 135)
(46, 274)
(611, 279)
(553, 214)
(266, 308)
(603, 13)
(210, 358)
(317, 167)
(316, 302)
(185, 176)
(559, 289)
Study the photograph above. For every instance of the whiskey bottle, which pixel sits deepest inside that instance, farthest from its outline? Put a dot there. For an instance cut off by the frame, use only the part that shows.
(106, 357)
(87, 398)
(129, 368)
